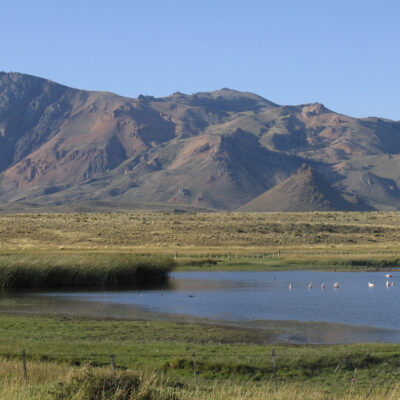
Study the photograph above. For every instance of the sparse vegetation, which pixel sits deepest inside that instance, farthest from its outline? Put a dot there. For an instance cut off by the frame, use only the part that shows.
(193, 233)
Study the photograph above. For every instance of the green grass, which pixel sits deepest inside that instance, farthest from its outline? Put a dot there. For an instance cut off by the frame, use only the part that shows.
(318, 262)
(227, 356)
(82, 270)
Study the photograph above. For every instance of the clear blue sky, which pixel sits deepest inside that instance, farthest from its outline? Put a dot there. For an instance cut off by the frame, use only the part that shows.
(344, 54)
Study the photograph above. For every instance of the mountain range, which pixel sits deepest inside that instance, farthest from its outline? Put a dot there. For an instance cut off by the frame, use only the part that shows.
(224, 150)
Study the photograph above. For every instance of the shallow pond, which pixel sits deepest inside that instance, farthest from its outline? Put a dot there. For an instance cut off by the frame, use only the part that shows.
(249, 297)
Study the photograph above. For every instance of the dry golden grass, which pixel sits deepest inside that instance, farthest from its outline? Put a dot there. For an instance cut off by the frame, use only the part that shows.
(191, 232)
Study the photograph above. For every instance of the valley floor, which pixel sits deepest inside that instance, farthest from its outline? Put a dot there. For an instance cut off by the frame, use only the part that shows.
(68, 355)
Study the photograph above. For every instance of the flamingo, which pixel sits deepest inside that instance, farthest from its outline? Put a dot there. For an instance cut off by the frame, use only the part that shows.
(387, 283)
(370, 284)
(388, 275)
(310, 285)
(336, 285)
(290, 286)
(323, 285)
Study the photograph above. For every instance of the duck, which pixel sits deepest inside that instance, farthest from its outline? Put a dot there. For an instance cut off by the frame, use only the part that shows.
(310, 285)
(336, 285)
(370, 284)
(323, 285)
(387, 283)
(393, 284)
(290, 286)
(388, 275)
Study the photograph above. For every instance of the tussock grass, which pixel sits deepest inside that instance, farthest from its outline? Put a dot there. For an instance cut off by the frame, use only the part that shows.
(82, 270)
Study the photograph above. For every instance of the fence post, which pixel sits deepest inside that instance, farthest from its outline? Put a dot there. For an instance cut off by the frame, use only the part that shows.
(113, 363)
(353, 381)
(370, 390)
(341, 363)
(24, 364)
(195, 371)
(274, 368)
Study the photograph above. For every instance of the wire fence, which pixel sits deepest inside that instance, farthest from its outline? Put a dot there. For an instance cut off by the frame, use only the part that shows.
(277, 367)
(232, 255)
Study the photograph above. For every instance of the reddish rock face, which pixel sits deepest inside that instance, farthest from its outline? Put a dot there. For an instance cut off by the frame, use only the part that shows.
(219, 149)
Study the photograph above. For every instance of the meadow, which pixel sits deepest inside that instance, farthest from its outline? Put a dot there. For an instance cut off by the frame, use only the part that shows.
(68, 357)
(199, 233)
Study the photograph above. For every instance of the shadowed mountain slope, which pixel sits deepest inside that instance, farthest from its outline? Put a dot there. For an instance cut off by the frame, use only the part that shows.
(218, 149)
(304, 190)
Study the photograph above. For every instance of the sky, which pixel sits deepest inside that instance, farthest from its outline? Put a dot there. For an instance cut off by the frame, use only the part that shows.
(344, 54)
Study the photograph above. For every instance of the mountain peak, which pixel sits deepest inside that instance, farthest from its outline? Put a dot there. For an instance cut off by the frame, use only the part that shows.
(304, 190)
(315, 109)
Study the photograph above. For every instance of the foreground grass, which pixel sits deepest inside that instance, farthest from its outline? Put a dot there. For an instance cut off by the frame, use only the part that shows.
(229, 360)
(82, 270)
(54, 381)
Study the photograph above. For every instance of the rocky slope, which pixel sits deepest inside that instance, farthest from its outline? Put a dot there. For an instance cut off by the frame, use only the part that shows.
(304, 190)
(222, 149)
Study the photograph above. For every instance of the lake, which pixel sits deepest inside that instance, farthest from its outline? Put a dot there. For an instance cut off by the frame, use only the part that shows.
(255, 298)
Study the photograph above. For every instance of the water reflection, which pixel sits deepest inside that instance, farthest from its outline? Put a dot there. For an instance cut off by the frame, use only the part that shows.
(354, 312)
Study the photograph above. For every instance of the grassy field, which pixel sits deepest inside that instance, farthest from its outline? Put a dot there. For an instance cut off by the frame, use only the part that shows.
(203, 232)
(232, 363)
(230, 240)
(54, 381)
(228, 360)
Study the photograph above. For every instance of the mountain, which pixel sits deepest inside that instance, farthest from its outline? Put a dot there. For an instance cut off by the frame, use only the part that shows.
(218, 150)
(304, 190)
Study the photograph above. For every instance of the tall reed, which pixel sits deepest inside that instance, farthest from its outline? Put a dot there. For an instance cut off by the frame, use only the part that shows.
(82, 270)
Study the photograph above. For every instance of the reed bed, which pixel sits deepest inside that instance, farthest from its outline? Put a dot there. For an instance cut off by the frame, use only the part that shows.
(82, 270)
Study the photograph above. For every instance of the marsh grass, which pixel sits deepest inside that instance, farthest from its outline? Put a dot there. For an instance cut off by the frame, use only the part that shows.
(82, 270)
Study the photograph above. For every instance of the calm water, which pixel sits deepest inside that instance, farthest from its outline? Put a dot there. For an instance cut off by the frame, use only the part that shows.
(255, 295)
(352, 313)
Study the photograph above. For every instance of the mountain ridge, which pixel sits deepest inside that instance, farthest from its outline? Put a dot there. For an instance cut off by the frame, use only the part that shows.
(220, 150)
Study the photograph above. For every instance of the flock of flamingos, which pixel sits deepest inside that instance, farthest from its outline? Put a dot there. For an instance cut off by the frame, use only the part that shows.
(336, 284)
